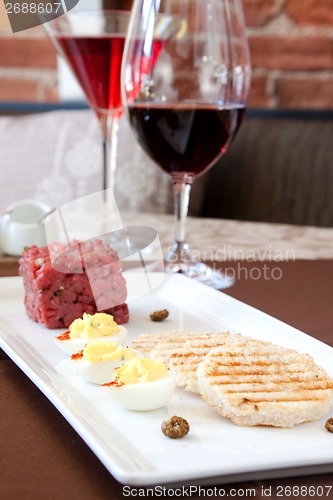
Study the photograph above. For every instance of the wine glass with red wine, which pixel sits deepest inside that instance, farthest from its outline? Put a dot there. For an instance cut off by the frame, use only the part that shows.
(92, 43)
(185, 97)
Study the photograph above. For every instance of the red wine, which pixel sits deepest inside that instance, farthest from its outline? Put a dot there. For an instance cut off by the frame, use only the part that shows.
(185, 138)
(96, 62)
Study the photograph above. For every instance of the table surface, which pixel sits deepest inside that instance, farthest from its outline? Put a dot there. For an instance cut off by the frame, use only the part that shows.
(218, 239)
(43, 457)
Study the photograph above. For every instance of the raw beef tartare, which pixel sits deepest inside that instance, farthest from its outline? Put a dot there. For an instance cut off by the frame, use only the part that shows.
(62, 282)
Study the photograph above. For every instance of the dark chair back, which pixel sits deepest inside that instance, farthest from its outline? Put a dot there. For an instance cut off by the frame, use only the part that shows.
(278, 169)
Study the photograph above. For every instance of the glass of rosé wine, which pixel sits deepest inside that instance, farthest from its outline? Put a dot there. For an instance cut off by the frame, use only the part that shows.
(186, 107)
(92, 43)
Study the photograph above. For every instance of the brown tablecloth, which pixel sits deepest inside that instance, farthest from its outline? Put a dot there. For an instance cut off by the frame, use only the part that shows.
(42, 457)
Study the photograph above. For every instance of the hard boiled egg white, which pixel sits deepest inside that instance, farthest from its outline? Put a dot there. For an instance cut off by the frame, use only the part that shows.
(97, 361)
(99, 326)
(71, 346)
(141, 384)
(144, 396)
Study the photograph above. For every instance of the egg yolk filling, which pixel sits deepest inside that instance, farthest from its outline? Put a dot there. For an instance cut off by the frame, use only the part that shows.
(101, 351)
(139, 370)
(93, 326)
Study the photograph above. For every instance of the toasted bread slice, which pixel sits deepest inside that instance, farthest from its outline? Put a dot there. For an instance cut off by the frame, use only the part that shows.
(259, 383)
(146, 342)
(165, 347)
(185, 359)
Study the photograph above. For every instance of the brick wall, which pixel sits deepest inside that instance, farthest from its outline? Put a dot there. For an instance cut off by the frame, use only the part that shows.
(291, 44)
(27, 65)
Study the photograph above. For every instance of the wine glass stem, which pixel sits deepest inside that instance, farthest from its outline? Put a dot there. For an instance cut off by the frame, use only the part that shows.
(110, 126)
(179, 252)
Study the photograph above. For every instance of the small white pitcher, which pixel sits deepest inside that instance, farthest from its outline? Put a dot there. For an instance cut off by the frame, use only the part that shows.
(22, 226)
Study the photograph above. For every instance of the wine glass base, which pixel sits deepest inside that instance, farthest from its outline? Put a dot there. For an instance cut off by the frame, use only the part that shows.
(206, 275)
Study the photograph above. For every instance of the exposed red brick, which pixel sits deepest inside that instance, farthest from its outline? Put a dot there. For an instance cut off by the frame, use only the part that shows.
(293, 53)
(258, 97)
(18, 90)
(258, 12)
(23, 90)
(27, 52)
(305, 93)
(50, 94)
(310, 11)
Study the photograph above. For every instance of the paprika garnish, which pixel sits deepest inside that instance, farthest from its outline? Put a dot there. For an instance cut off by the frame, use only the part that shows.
(114, 383)
(64, 336)
(77, 355)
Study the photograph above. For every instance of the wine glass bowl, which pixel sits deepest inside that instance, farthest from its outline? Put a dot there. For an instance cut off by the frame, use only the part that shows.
(92, 43)
(184, 90)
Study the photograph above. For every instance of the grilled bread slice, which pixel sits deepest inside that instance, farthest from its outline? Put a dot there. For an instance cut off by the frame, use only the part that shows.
(165, 347)
(259, 383)
(146, 342)
(185, 359)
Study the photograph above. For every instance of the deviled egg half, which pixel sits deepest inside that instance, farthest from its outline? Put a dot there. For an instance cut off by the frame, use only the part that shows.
(141, 384)
(96, 362)
(97, 327)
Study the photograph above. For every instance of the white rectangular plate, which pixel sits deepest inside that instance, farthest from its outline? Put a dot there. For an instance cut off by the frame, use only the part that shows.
(131, 444)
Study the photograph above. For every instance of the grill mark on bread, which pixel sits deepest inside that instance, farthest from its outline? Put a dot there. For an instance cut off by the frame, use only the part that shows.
(244, 370)
(250, 380)
(315, 394)
(276, 390)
